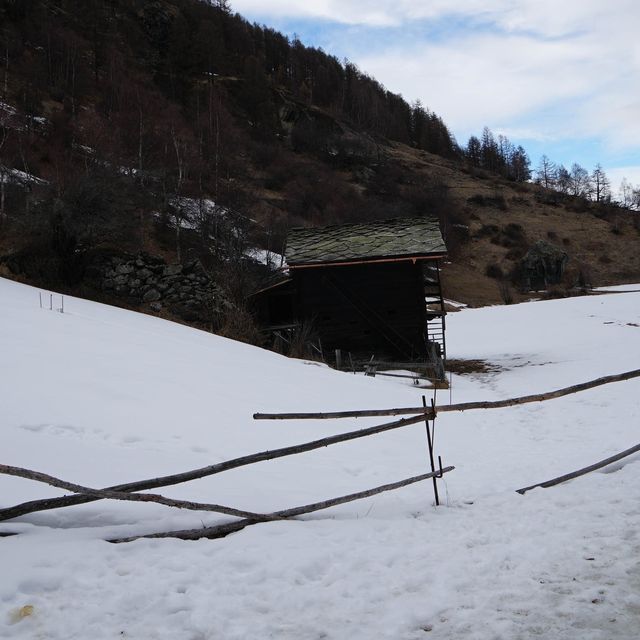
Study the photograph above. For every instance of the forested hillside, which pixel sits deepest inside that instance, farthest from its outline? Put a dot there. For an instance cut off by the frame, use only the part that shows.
(185, 93)
(178, 129)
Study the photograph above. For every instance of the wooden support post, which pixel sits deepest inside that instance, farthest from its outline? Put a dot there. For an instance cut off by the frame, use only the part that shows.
(430, 445)
(370, 368)
(338, 359)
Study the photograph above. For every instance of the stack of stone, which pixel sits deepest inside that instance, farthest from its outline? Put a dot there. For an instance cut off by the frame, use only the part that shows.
(186, 290)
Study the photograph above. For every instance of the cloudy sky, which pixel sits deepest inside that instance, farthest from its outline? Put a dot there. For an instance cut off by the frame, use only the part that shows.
(560, 77)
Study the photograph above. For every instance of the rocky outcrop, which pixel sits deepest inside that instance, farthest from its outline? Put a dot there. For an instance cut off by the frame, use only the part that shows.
(308, 128)
(185, 290)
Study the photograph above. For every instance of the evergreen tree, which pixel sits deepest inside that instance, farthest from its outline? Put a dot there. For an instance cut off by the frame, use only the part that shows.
(474, 151)
(600, 185)
(546, 173)
(519, 165)
(489, 151)
(563, 180)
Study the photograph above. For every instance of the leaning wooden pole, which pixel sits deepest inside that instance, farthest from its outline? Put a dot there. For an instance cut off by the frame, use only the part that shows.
(163, 481)
(219, 531)
(465, 406)
(362, 413)
(581, 472)
(37, 476)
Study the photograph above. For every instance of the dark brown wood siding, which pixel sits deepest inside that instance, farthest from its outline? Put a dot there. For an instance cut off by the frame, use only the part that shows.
(366, 309)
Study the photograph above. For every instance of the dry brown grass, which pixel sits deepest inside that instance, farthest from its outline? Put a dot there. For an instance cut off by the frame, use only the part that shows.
(609, 251)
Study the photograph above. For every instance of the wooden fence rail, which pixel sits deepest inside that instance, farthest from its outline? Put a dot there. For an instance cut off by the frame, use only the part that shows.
(360, 413)
(219, 531)
(106, 494)
(581, 472)
(416, 414)
(466, 406)
(153, 483)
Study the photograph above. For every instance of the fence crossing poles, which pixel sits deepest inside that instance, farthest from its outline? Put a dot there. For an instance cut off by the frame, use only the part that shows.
(430, 445)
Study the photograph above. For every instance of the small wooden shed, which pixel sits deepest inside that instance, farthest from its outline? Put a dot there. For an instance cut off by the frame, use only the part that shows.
(370, 289)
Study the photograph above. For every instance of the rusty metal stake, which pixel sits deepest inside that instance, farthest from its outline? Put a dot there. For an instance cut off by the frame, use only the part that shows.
(430, 444)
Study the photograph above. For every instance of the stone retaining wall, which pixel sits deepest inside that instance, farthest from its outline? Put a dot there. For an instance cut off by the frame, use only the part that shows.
(186, 290)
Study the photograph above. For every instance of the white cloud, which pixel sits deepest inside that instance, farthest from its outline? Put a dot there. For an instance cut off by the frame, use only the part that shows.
(524, 133)
(584, 84)
(555, 70)
(617, 174)
(351, 12)
(548, 17)
(485, 79)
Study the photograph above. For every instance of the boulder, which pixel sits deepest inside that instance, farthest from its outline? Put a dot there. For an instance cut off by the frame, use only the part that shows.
(124, 269)
(172, 270)
(152, 295)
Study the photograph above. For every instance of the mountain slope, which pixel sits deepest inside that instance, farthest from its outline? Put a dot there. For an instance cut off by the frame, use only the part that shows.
(119, 119)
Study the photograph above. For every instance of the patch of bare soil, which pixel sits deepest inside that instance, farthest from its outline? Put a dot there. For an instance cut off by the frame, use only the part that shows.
(466, 367)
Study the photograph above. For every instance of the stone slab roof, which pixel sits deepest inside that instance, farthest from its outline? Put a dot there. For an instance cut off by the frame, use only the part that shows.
(370, 241)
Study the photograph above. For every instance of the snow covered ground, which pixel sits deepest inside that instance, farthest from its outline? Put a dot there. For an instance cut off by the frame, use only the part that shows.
(101, 396)
(618, 288)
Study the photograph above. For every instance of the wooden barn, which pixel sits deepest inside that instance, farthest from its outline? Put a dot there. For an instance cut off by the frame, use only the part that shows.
(369, 289)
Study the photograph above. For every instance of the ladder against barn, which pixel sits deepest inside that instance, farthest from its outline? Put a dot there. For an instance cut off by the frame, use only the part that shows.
(435, 309)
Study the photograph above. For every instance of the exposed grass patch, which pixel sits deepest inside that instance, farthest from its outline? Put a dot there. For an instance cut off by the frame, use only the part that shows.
(466, 367)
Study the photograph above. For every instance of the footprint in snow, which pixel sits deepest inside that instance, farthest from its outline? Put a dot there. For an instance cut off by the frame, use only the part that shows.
(54, 429)
(199, 449)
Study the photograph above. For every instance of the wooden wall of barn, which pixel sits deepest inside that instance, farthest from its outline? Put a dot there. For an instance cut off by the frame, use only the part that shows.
(365, 309)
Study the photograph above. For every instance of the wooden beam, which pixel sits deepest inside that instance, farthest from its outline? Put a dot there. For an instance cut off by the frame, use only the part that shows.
(540, 397)
(465, 406)
(364, 413)
(222, 530)
(580, 472)
(37, 476)
(177, 478)
(349, 263)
